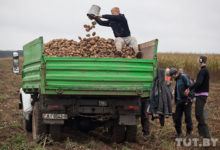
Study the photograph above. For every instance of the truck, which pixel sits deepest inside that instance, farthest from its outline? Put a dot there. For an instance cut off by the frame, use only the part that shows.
(85, 92)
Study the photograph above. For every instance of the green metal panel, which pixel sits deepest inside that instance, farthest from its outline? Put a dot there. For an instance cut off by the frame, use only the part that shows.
(155, 58)
(31, 66)
(85, 76)
(98, 76)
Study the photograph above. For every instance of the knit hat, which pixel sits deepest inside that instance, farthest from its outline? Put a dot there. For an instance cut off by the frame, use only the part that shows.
(173, 71)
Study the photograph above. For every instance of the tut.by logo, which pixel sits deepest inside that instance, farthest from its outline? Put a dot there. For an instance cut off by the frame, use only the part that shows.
(196, 142)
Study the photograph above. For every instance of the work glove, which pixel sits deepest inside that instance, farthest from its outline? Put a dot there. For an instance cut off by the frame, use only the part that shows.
(98, 17)
(91, 17)
(186, 93)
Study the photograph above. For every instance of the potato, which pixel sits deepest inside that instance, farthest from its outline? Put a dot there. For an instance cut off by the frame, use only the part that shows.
(87, 47)
(94, 33)
(94, 23)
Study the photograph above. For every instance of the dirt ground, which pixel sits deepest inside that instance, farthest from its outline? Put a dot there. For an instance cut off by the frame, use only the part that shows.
(12, 135)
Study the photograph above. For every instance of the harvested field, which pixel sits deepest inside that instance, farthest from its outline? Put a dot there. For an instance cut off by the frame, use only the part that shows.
(12, 135)
(189, 63)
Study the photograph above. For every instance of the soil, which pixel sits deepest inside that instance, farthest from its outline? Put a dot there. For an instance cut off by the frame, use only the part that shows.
(160, 137)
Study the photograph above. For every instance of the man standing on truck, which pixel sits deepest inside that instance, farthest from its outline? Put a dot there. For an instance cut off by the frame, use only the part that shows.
(183, 105)
(201, 88)
(119, 25)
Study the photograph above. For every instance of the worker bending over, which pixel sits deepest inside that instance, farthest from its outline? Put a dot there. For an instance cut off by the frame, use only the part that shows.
(183, 104)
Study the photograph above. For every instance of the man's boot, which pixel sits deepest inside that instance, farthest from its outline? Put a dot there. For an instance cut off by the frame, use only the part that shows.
(118, 53)
(179, 135)
(145, 126)
(201, 131)
(179, 132)
(188, 133)
(139, 55)
(206, 132)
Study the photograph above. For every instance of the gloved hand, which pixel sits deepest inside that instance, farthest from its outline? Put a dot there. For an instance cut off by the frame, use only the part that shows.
(98, 17)
(186, 93)
(91, 17)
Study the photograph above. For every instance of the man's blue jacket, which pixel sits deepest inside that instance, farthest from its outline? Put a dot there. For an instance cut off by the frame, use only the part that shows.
(118, 23)
(182, 83)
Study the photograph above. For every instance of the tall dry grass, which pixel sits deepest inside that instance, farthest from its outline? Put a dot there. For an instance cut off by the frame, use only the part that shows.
(189, 63)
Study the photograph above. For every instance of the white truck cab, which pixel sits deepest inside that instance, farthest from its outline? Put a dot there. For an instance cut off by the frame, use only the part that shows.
(26, 106)
(25, 99)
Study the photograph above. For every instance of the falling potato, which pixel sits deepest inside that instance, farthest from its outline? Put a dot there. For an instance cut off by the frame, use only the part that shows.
(94, 33)
(79, 38)
(87, 29)
(94, 23)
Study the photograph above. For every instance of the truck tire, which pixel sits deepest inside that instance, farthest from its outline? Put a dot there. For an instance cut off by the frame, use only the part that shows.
(131, 133)
(118, 134)
(38, 128)
(55, 132)
(27, 124)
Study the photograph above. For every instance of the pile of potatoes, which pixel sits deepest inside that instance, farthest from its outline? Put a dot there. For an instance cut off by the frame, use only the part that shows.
(92, 46)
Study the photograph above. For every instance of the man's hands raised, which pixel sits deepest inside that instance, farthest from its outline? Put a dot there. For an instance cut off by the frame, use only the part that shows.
(91, 17)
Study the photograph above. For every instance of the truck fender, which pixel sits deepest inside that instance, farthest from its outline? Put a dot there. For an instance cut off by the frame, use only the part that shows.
(26, 101)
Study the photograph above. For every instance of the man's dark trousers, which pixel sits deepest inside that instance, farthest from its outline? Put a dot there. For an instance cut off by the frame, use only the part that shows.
(187, 109)
(144, 116)
(199, 108)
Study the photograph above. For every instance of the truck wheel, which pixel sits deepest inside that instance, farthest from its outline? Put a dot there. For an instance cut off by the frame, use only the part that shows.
(131, 133)
(38, 128)
(27, 124)
(55, 132)
(118, 135)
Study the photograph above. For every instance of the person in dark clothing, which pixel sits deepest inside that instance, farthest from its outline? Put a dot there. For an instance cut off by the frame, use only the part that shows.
(182, 103)
(169, 87)
(144, 116)
(119, 25)
(201, 88)
(168, 80)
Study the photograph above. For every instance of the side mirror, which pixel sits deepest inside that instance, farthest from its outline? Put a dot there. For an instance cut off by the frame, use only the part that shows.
(15, 68)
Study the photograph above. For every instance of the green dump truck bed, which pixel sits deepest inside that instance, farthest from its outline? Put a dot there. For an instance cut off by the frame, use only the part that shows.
(86, 76)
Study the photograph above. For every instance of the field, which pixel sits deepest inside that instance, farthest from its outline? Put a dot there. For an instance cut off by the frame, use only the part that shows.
(12, 135)
(189, 63)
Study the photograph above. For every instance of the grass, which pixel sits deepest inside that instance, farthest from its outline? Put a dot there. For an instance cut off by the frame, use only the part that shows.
(16, 126)
(70, 144)
(19, 142)
(166, 144)
(2, 99)
(125, 148)
(91, 144)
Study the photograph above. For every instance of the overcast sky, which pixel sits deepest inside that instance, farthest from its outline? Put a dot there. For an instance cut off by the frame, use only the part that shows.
(180, 25)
